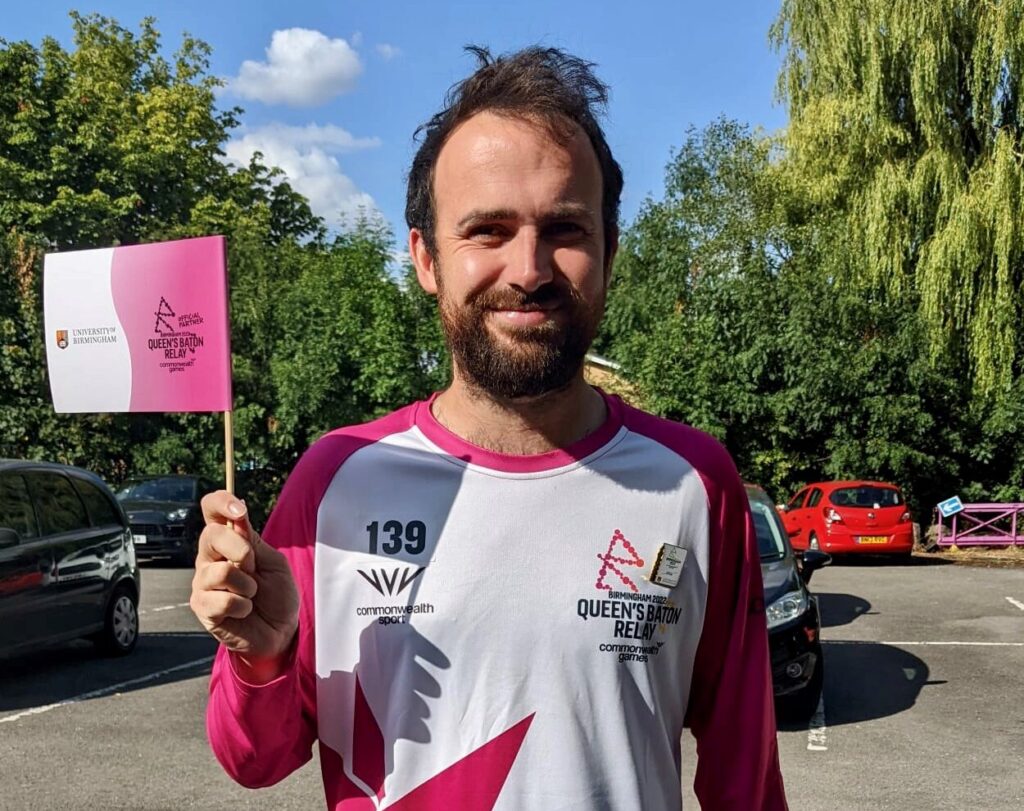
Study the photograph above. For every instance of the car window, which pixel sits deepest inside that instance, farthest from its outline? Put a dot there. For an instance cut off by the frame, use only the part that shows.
(769, 529)
(101, 511)
(867, 497)
(167, 489)
(797, 500)
(815, 498)
(59, 507)
(16, 507)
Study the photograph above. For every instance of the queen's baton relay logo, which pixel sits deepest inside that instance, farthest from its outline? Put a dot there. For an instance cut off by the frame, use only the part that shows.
(175, 339)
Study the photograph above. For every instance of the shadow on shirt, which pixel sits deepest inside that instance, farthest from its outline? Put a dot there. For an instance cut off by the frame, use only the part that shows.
(391, 665)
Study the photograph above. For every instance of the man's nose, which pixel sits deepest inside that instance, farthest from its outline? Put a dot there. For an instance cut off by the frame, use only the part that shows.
(530, 262)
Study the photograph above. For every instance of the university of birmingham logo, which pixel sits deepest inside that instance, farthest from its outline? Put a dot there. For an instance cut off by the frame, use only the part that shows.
(62, 338)
(388, 583)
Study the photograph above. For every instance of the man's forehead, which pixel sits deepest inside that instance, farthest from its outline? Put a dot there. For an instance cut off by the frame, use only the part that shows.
(491, 130)
(489, 149)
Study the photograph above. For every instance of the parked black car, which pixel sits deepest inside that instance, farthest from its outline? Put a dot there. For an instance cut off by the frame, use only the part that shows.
(794, 624)
(165, 514)
(67, 562)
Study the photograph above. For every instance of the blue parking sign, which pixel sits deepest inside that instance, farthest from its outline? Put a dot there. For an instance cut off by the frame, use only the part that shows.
(951, 506)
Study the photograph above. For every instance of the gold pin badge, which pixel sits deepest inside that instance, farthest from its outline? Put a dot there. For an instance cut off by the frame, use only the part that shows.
(668, 565)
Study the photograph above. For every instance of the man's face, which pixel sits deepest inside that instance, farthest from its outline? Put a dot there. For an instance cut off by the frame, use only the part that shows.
(520, 268)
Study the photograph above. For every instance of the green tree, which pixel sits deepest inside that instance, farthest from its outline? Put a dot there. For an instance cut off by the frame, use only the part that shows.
(110, 143)
(348, 347)
(722, 315)
(907, 125)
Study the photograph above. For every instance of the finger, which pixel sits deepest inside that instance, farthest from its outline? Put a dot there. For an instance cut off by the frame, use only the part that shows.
(241, 524)
(223, 575)
(221, 507)
(218, 543)
(217, 606)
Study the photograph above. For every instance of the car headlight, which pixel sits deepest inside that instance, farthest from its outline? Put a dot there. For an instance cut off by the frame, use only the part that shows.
(178, 515)
(789, 606)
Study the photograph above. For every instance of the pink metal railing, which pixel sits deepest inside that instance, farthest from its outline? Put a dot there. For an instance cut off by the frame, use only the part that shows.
(984, 525)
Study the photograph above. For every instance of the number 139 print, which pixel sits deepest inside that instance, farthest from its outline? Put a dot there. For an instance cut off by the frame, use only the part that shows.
(394, 537)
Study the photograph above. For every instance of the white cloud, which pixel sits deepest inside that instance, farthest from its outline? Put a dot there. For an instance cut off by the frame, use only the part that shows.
(330, 137)
(307, 155)
(356, 39)
(389, 52)
(303, 68)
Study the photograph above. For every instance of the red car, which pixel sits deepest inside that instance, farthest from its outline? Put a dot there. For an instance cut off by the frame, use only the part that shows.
(850, 517)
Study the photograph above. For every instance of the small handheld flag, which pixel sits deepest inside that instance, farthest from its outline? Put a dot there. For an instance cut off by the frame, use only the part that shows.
(140, 328)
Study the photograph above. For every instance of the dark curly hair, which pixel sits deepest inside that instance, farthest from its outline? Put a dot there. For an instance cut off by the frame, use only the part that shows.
(547, 85)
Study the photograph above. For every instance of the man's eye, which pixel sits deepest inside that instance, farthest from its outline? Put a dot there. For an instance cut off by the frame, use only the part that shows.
(486, 233)
(564, 230)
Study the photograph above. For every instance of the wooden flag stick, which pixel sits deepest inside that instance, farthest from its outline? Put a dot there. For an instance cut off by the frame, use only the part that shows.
(229, 453)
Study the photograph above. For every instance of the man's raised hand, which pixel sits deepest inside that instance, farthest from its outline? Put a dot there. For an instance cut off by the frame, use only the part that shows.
(243, 591)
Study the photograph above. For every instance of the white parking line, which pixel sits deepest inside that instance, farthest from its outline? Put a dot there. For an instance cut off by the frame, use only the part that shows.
(816, 738)
(1017, 603)
(162, 608)
(104, 691)
(937, 644)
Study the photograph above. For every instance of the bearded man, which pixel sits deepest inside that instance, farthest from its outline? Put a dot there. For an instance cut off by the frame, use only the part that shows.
(515, 594)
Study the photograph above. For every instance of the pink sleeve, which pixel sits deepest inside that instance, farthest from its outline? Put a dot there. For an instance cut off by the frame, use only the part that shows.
(261, 734)
(731, 710)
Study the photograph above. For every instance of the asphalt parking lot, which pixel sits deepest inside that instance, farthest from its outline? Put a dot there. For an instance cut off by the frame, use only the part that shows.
(923, 705)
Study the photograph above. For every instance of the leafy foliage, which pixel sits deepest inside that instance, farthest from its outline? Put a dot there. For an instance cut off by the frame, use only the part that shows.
(110, 144)
(811, 300)
(729, 310)
(907, 123)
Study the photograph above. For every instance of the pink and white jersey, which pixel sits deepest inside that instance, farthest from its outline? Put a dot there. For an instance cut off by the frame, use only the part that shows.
(480, 631)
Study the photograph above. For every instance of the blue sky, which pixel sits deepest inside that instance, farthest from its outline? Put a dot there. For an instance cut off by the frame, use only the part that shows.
(333, 91)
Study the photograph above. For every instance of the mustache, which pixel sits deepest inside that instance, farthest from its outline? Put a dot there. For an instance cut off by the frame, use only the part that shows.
(512, 299)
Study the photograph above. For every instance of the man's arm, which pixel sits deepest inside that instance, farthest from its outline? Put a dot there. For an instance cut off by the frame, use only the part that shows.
(261, 715)
(262, 730)
(731, 710)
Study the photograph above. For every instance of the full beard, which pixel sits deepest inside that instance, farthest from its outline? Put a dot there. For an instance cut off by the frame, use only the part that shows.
(526, 361)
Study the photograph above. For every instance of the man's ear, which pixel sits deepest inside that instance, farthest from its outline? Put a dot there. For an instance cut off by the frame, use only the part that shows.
(609, 259)
(423, 261)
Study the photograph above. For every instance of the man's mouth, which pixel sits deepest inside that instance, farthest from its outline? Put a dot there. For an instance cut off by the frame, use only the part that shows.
(523, 316)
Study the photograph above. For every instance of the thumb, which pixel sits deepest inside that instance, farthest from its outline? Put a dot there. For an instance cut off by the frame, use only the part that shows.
(241, 525)
(239, 519)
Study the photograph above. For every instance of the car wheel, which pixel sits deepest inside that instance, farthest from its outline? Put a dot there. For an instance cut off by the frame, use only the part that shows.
(121, 627)
(812, 542)
(801, 705)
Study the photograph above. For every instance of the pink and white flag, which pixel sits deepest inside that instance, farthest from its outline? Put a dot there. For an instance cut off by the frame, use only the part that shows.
(138, 328)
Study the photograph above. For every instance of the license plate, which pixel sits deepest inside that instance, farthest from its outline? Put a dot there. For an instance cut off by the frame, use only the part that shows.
(873, 539)
(138, 538)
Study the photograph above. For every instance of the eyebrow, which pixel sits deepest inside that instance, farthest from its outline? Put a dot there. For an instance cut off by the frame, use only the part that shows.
(481, 215)
(559, 212)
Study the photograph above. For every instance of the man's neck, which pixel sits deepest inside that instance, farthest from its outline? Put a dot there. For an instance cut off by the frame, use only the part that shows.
(522, 426)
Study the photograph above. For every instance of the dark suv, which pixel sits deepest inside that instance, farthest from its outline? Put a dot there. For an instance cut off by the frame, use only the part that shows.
(794, 625)
(165, 514)
(67, 562)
